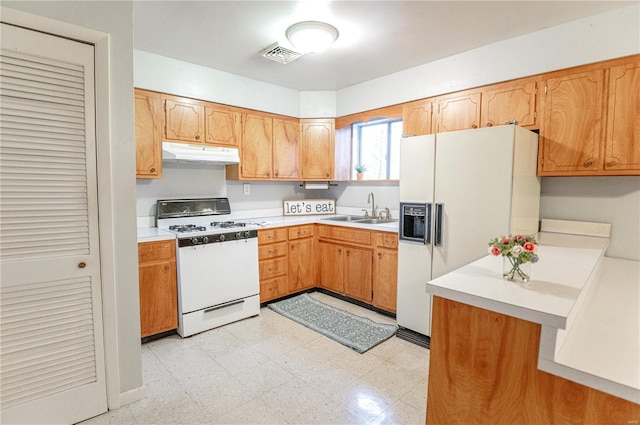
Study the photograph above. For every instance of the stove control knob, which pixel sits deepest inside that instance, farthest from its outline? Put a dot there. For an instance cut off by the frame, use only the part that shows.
(194, 241)
(238, 235)
(246, 234)
(222, 238)
(205, 239)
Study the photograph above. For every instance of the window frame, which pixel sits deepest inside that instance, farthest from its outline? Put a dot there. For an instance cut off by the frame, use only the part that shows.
(358, 141)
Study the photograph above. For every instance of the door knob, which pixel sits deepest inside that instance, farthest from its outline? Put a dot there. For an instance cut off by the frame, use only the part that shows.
(82, 265)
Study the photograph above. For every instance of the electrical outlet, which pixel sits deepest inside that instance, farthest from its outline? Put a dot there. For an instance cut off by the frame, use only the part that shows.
(247, 188)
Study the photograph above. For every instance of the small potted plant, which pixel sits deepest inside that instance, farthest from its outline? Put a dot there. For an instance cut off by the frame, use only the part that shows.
(360, 169)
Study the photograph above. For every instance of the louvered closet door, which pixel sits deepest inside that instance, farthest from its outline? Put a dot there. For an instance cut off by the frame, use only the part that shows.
(51, 342)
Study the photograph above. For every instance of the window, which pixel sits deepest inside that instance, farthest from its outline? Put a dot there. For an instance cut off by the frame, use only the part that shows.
(376, 146)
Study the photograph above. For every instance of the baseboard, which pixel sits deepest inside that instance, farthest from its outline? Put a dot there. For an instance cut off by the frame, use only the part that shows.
(415, 337)
(133, 395)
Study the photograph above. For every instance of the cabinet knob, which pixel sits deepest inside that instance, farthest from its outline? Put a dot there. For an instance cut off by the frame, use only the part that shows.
(612, 163)
(197, 137)
(474, 125)
(268, 173)
(489, 124)
(293, 247)
(153, 170)
(82, 265)
(276, 173)
(379, 255)
(588, 164)
(166, 268)
(326, 175)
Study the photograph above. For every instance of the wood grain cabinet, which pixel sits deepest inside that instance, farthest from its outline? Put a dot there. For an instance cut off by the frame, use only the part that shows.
(317, 149)
(158, 290)
(458, 111)
(417, 118)
(272, 261)
(301, 273)
(385, 272)
(255, 151)
(222, 125)
(286, 149)
(591, 121)
(507, 102)
(184, 120)
(148, 136)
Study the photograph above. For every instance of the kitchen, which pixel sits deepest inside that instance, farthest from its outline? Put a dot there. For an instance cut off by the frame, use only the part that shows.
(561, 197)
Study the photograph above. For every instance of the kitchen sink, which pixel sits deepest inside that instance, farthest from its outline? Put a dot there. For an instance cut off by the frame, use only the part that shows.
(345, 218)
(375, 221)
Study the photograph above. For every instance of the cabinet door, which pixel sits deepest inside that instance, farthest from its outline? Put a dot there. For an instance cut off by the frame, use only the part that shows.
(513, 101)
(458, 112)
(148, 110)
(571, 130)
(416, 118)
(317, 149)
(622, 147)
(286, 148)
(385, 279)
(301, 274)
(222, 125)
(255, 154)
(331, 266)
(158, 297)
(357, 273)
(184, 121)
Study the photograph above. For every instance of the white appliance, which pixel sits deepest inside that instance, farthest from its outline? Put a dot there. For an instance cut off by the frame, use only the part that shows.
(217, 259)
(182, 152)
(458, 190)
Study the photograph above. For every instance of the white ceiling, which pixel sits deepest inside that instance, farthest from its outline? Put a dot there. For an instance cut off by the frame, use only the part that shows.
(376, 37)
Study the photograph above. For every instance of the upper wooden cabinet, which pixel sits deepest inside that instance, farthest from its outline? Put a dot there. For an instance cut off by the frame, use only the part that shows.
(507, 102)
(459, 111)
(417, 118)
(184, 120)
(317, 149)
(222, 125)
(148, 137)
(255, 152)
(622, 143)
(286, 149)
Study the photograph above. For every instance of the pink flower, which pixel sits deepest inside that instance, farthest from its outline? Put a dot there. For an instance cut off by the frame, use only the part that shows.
(529, 246)
(505, 240)
(520, 238)
(495, 251)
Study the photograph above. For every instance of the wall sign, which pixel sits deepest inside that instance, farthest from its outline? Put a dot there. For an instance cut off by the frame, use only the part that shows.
(309, 207)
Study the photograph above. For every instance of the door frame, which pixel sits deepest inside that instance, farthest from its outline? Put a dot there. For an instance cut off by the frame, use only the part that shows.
(106, 209)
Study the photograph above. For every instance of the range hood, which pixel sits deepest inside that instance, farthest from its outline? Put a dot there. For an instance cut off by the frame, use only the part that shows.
(181, 152)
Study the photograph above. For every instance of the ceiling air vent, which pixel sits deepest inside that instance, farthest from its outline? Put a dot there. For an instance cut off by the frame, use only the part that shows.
(280, 54)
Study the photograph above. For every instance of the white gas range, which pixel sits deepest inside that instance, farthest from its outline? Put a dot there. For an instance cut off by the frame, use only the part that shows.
(217, 259)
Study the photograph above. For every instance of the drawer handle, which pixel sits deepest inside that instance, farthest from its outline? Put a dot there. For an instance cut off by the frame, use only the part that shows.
(197, 137)
(153, 170)
(588, 164)
(379, 255)
(489, 124)
(166, 268)
(219, 306)
(474, 126)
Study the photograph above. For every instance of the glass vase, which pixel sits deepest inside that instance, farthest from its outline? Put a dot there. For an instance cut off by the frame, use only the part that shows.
(515, 271)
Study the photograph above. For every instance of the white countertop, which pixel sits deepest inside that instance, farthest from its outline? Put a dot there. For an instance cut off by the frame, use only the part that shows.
(586, 303)
(148, 234)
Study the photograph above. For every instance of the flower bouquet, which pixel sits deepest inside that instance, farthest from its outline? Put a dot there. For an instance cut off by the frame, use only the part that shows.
(517, 251)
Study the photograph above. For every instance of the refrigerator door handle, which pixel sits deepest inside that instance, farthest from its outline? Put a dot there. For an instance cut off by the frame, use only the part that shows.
(438, 224)
(427, 231)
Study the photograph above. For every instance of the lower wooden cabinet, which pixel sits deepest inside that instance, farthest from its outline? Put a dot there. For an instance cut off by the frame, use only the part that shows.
(158, 290)
(272, 258)
(385, 279)
(358, 269)
(330, 266)
(301, 261)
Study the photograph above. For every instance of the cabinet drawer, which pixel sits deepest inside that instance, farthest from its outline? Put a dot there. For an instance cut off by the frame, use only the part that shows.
(298, 232)
(272, 250)
(155, 251)
(345, 234)
(272, 235)
(387, 240)
(273, 288)
(273, 268)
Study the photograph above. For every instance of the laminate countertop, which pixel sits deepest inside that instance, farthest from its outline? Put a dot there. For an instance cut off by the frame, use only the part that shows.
(587, 306)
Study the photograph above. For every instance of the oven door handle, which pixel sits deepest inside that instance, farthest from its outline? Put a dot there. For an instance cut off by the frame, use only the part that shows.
(224, 305)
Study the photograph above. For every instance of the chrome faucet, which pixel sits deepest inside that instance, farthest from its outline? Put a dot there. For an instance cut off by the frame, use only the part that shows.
(385, 215)
(372, 200)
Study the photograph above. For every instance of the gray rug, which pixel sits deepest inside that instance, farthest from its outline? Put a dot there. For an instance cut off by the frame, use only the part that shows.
(358, 333)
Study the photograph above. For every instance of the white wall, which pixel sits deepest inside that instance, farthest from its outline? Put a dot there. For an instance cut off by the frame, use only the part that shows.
(596, 38)
(116, 19)
(614, 200)
(166, 75)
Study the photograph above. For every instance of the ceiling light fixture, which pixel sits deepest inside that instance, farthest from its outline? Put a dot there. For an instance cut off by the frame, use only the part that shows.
(312, 36)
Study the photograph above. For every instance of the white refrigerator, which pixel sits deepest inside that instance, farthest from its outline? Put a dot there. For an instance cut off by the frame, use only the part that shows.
(475, 184)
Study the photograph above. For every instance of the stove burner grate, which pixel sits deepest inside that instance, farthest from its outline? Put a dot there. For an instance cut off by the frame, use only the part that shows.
(183, 228)
(227, 224)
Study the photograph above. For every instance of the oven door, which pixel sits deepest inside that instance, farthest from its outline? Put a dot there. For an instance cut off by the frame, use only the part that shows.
(217, 273)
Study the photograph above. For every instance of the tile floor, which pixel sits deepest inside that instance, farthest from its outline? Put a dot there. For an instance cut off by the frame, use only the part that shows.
(271, 370)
